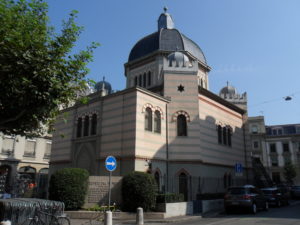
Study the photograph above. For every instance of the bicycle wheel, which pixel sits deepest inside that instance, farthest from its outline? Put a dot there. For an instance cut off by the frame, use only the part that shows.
(63, 220)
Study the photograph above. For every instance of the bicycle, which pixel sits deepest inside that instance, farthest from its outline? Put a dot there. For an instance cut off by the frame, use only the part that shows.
(44, 218)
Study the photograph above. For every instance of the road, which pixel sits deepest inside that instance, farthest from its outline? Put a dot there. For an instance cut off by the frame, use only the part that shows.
(288, 215)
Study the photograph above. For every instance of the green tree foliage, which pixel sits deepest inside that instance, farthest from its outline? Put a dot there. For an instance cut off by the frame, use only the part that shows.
(289, 172)
(138, 190)
(69, 185)
(38, 71)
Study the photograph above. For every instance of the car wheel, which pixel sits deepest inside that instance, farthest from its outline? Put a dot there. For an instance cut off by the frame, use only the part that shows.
(266, 208)
(254, 208)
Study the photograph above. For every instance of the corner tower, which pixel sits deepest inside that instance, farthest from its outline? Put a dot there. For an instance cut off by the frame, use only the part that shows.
(148, 60)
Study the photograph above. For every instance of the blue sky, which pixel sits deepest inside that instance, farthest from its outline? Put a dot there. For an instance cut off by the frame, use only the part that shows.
(252, 44)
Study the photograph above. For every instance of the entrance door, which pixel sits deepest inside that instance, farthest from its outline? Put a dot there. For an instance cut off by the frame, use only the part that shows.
(183, 185)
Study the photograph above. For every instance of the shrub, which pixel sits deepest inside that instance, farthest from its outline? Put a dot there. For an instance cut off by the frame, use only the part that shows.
(138, 190)
(169, 198)
(69, 185)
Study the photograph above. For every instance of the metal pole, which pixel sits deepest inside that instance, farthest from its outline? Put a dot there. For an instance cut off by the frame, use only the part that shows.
(109, 191)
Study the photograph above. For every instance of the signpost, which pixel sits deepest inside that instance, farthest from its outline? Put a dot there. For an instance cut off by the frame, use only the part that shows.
(238, 169)
(111, 165)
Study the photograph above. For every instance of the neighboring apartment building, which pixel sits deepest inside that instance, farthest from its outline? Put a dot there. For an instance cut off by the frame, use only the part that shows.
(165, 122)
(24, 159)
(275, 146)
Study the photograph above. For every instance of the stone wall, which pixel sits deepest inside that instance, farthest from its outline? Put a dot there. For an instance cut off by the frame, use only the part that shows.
(98, 189)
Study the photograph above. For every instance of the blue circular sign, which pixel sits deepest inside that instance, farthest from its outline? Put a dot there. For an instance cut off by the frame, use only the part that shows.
(110, 163)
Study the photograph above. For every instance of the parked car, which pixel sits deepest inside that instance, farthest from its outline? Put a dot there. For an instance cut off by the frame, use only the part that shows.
(295, 191)
(247, 196)
(276, 196)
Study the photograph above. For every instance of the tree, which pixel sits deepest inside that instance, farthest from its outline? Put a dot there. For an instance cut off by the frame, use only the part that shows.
(289, 172)
(38, 73)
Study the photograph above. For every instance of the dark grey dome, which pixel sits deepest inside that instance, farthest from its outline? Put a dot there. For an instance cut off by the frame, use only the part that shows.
(169, 40)
(103, 84)
(228, 90)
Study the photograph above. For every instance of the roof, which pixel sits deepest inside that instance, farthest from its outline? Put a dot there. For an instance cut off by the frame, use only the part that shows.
(167, 40)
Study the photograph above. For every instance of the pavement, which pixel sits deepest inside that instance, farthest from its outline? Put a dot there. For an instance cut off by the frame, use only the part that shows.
(146, 221)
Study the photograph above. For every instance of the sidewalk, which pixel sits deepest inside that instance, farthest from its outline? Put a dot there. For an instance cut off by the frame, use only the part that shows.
(146, 221)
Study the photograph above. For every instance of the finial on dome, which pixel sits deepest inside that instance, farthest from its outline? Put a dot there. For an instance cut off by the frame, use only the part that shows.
(165, 20)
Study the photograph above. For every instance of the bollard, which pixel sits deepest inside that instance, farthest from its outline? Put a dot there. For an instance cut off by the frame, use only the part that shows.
(139, 216)
(108, 218)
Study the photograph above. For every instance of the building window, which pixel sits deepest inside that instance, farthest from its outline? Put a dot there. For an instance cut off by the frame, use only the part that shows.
(86, 126)
(274, 160)
(79, 127)
(273, 148)
(274, 132)
(157, 122)
(149, 78)
(287, 159)
(255, 144)
(285, 147)
(148, 119)
(225, 180)
(157, 179)
(94, 124)
(229, 133)
(48, 150)
(8, 145)
(224, 135)
(219, 134)
(181, 126)
(136, 81)
(30, 148)
(254, 129)
(280, 131)
(183, 185)
(140, 80)
(276, 177)
(144, 80)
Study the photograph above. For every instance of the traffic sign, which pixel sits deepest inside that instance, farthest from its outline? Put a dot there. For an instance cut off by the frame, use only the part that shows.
(238, 168)
(110, 163)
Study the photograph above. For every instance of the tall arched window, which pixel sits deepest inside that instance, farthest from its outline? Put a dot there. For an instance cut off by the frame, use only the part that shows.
(156, 177)
(94, 124)
(144, 80)
(79, 127)
(181, 126)
(148, 119)
(86, 126)
(140, 80)
(219, 134)
(157, 122)
(136, 81)
(224, 135)
(183, 185)
(149, 78)
(229, 133)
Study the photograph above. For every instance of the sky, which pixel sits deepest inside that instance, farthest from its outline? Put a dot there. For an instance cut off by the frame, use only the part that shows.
(252, 44)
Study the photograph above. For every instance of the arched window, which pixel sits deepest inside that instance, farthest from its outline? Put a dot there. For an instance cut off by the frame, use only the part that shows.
(201, 83)
(140, 80)
(144, 80)
(224, 135)
(157, 122)
(79, 127)
(183, 185)
(148, 119)
(219, 134)
(157, 179)
(94, 124)
(149, 78)
(86, 126)
(229, 133)
(136, 81)
(181, 126)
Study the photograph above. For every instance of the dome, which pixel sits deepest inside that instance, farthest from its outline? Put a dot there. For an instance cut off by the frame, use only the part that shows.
(179, 58)
(99, 86)
(166, 39)
(228, 90)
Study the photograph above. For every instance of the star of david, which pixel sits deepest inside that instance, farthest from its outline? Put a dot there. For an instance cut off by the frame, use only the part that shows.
(180, 88)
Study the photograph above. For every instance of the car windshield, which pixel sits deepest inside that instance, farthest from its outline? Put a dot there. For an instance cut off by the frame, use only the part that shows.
(237, 191)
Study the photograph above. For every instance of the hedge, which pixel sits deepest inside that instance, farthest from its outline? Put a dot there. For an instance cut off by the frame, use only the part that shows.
(69, 185)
